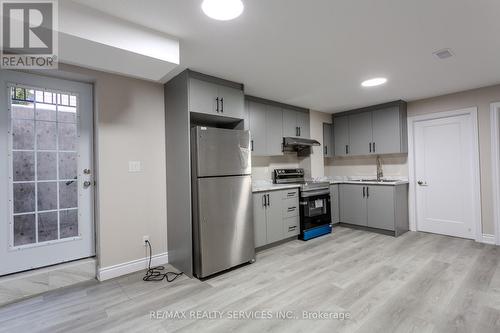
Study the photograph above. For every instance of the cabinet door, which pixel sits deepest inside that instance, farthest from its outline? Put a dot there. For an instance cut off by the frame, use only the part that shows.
(334, 200)
(352, 204)
(327, 140)
(303, 124)
(360, 133)
(380, 201)
(291, 227)
(274, 217)
(257, 116)
(259, 219)
(387, 131)
(290, 127)
(274, 130)
(231, 102)
(202, 96)
(341, 135)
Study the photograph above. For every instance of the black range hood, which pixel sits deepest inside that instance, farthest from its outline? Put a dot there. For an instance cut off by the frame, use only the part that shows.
(300, 145)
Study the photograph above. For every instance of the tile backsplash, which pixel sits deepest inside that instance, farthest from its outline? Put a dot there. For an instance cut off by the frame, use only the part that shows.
(262, 167)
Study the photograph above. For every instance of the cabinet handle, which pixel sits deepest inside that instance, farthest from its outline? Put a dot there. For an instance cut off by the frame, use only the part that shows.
(217, 99)
(251, 145)
(291, 209)
(264, 201)
(292, 228)
(268, 201)
(364, 193)
(290, 194)
(370, 147)
(374, 149)
(300, 131)
(326, 150)
(296, 131)
(347, 149)
(367, 191)
(222, 105)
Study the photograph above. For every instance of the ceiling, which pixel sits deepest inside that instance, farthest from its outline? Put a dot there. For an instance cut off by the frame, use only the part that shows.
(315, 53)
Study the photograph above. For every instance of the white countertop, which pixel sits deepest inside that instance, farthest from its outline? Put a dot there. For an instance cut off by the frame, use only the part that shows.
(267, 185)
(391, 181)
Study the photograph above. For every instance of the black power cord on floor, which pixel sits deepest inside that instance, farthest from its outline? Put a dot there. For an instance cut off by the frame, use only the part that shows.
(155, 273)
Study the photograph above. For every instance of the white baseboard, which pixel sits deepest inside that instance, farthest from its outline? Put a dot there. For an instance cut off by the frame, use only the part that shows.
(488, 239)
(110, 272)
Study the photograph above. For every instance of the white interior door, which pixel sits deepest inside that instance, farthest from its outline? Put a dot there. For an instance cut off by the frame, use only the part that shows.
(46, 186)
(444, 171)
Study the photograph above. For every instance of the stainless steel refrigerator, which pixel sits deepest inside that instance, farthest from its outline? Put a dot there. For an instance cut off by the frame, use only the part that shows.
(223, 234)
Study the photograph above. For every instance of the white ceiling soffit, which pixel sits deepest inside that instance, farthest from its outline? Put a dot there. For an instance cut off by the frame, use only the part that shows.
(92, 39)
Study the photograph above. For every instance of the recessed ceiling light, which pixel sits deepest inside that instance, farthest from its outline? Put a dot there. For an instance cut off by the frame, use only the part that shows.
(374, 82)
(222, 10)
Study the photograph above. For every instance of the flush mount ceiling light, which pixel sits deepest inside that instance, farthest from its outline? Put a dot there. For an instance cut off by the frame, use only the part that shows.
(374, 82)
(444, 54)
(222, 10)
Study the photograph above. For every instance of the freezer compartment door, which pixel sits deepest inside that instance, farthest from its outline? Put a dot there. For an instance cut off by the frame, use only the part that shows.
(225, 224)
(221, 152)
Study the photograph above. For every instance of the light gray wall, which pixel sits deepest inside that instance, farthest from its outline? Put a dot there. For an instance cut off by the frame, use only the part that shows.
(129, 126)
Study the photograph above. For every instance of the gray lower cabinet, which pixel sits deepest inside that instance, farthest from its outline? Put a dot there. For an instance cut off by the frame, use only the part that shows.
(215, 99)
(341, 135)
(276, 216)
(296, 124)
(334, 203)
(328, 148)
(352, 199)
(382, 207)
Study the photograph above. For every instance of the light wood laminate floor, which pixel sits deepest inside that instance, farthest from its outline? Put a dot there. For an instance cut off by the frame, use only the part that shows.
(415, 283)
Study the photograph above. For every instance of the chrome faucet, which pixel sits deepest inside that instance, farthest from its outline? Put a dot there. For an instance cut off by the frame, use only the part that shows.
(380, 172)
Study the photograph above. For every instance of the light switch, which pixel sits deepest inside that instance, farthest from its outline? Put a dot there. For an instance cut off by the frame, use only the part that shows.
(134, 166)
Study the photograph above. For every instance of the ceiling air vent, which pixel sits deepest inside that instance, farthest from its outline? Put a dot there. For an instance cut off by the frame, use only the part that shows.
(444, 54)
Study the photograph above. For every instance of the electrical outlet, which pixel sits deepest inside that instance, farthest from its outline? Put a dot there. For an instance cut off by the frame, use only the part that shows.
(144, 239)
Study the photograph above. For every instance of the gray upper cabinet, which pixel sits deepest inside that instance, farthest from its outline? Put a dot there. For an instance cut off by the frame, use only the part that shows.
(258, 128)
(341, 135)
(328, 146)
(296, 124)
(232, 102)
(215, 99)
(375, 130)
(360, 133)
(274, 130)
(265, 125)
(380, 205)
(352, 201)
(202, 96)
(389, 131)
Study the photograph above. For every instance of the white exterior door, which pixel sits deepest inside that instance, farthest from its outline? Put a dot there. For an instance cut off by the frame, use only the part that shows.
(46, 182)
(444, 172)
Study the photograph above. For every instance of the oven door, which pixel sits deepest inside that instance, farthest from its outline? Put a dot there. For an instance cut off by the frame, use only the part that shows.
(315, 209)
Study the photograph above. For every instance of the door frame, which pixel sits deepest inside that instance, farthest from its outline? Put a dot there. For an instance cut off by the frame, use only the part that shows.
(495, 166)
(476, 181)
(36, 79)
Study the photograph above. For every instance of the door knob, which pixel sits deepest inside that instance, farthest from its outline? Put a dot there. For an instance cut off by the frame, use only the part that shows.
(422, 183)
(86, 183)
